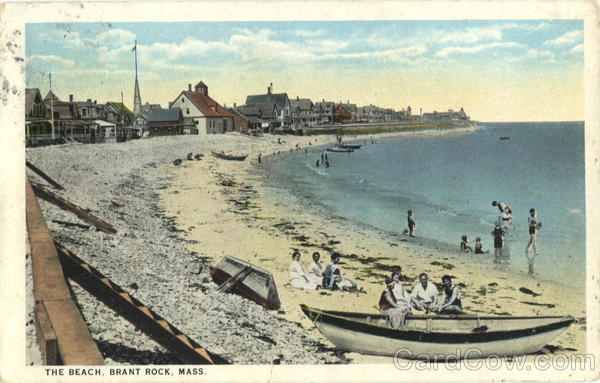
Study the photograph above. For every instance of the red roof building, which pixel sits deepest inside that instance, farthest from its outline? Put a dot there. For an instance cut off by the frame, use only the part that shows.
(341, 115)
(208, 116)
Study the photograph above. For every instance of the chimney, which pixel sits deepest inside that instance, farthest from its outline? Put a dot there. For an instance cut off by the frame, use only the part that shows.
(297, 98)
(269, 88)
(70, 98)
(234, 104)
(95, 102)
(189, 87)
(348, 102)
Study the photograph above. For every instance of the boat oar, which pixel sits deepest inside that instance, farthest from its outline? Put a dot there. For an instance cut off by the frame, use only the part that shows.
(234, 279)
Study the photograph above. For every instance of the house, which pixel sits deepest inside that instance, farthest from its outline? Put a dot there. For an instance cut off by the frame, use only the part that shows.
(449, 116)
(107, 131)
(341, 115)
(350, 108)
(165, 122)
(88, 110)
(258, 118)
(38, 124)
(118, 113)
(302, 112)
(205, 115)
(324, 112)
(281, 102)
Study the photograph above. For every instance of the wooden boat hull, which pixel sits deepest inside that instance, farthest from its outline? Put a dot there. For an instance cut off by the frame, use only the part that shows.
(229, 157)
(258, 285)
(438, 336)
(338, 150)
(351, 146)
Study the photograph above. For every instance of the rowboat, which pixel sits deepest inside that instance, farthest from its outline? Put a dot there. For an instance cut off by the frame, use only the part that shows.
(339, 149)
(242, 278)
(460, 336)
(351, 146)
(230, 157)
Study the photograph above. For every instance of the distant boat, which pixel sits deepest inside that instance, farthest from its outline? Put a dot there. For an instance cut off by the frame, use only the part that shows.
(230, 157)
(462, 336)
(339, 149)
(505, 138)
(351, 146)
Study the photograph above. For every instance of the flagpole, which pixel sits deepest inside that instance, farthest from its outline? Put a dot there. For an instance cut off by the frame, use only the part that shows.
(52, 107)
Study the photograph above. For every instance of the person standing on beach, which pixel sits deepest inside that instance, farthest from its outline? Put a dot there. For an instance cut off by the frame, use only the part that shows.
(534, 226)
(452, 302)
(424, 295)
(411, 223)
(498, 235)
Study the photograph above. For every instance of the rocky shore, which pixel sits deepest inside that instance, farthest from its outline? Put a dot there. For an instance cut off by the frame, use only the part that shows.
(174, 221)
(149, 258)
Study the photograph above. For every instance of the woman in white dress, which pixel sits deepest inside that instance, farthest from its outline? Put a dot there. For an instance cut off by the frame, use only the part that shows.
(298, 277)
(315, 272)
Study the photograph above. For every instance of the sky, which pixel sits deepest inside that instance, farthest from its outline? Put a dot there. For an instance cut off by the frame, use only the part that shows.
(498, 70)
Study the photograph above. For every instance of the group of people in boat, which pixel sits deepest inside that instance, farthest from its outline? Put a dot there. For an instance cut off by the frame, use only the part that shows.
(396, 302)
(318, 277)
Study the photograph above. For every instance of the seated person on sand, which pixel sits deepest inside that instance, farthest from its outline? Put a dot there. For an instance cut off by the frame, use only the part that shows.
(452, 303)
(298, 277)
(464, 245)
(333, 277)
(479, 247)
(395, 302)
(424, 295)
(315, 272)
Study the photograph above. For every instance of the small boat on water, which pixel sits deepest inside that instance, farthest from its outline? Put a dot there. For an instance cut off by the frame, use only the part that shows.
(230, 157)
(240, 277)
(338, 149)
(505, 138)
(462, 336)
(351, 146)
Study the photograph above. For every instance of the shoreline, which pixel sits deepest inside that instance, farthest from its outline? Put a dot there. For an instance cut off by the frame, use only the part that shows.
(303, 226)
(173, 222)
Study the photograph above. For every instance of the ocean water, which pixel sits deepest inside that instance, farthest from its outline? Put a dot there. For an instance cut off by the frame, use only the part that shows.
(450, 182)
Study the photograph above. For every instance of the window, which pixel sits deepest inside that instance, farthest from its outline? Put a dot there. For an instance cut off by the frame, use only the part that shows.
(182, 99)
(196, 122)
(187, 110)
(83, 111)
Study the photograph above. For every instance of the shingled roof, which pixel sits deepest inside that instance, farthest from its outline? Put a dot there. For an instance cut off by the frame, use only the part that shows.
(278, 99)
(30, 95)
(208, 106)
(305, 104)
(165, 115)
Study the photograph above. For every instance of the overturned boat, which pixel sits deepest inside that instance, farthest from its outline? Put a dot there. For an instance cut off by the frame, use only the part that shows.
(240, 277)
(460, 336)
(229, 157)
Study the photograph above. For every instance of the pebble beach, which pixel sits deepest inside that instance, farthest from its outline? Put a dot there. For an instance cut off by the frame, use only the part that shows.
(174, 222)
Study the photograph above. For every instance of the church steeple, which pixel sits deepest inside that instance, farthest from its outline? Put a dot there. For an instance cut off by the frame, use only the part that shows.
(137, 100)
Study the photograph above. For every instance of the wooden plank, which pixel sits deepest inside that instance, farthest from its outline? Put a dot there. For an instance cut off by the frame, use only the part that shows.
(142, 317)
(74, 343)
(44, 176)
(55, 199)
(46, 336)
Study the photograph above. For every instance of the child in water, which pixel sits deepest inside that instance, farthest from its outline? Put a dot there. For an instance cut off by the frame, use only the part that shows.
(479, 247)
(498, 234)
(411, 223)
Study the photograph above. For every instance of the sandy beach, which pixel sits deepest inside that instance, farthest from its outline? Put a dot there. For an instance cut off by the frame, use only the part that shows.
(174, 222)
